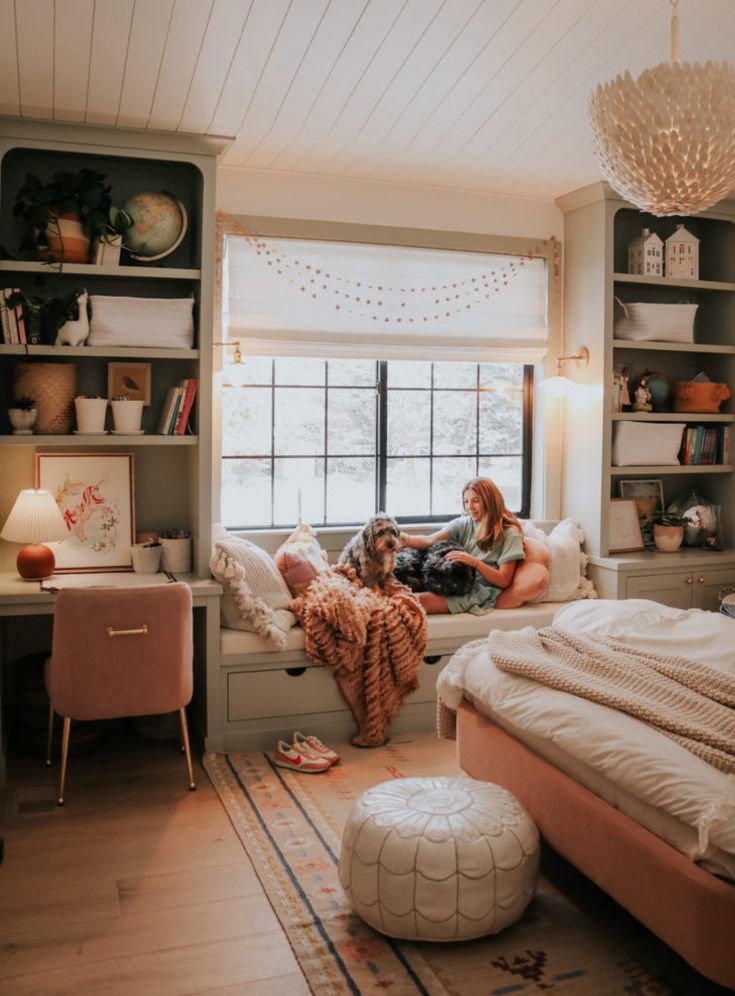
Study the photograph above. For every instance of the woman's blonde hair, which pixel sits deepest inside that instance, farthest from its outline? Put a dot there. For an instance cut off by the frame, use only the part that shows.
(495, 517)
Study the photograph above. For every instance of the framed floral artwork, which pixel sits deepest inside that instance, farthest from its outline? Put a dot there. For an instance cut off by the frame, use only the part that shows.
(94, 492)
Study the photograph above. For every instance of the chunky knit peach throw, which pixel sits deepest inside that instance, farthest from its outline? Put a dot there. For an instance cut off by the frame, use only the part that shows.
(685, 700)
(375, 642)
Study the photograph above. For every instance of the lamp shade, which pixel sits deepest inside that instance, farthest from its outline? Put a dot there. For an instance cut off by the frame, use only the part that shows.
(34, 518)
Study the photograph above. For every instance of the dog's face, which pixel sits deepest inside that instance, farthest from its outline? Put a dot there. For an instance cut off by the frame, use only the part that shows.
(446, 577)
(382, 535)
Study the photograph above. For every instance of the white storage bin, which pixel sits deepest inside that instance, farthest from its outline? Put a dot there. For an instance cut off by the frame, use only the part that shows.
(647, 322)
(141, 321)
(638, 444)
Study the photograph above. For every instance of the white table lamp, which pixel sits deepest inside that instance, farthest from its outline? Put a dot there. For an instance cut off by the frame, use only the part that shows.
(35, 519)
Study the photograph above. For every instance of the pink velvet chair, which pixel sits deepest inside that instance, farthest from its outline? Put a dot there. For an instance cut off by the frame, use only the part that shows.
(120, 651)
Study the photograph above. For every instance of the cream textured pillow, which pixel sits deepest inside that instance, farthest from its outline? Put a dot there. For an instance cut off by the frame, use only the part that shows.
(255, 597)
(567, 562)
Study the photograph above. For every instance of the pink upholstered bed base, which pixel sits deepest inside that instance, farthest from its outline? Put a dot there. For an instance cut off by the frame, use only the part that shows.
(689, 909)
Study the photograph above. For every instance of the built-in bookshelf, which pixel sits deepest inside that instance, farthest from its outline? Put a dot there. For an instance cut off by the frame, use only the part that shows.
(172, 471)
(598, 228)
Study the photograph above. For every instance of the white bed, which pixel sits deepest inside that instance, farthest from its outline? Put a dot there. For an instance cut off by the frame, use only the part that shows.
(642, 773)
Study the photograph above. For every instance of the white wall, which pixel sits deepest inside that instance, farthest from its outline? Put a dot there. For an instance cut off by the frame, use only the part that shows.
(291, 195)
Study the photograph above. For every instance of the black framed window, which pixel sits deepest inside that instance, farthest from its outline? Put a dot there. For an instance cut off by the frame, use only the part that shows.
(335, 440)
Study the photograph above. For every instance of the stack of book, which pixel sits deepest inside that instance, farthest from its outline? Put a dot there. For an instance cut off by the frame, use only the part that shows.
(12, 319)
(705, 444)
(177, 408)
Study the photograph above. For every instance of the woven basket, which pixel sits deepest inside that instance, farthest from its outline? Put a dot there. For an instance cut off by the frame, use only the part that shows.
(645, 321)
(52, 386)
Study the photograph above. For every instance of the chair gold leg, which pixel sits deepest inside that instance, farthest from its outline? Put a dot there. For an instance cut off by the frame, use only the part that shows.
(64, 757)
(50, 735)
(187, 749)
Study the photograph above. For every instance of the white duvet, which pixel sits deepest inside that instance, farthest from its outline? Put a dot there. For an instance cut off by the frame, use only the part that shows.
(667, 784)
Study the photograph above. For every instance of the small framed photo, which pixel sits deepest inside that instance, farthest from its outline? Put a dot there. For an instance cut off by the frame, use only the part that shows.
(624, 530)
(94, 492)
(648, 496)
(130, 379)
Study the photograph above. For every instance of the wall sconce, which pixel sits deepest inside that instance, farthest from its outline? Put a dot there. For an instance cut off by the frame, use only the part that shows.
(557, 385)
(234, 345)
(234, 370)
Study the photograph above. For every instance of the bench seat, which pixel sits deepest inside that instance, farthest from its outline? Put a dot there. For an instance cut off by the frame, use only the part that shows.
(265, 694)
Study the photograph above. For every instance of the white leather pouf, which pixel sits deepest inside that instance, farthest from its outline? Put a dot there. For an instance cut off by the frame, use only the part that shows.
(439, 859)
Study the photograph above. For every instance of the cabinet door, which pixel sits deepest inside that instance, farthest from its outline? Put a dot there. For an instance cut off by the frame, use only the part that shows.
(670, 589)
(706, 585)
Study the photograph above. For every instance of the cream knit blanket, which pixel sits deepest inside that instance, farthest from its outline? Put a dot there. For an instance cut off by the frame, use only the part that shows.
(688, 702)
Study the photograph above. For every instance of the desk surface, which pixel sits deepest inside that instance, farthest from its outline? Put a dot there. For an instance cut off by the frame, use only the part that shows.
(15, 592)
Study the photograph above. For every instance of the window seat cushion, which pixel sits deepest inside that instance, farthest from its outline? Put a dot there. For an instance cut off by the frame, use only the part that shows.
(461, 627)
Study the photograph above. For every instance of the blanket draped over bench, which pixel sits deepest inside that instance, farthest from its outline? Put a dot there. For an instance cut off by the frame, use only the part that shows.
(374, 641)
(688, 702)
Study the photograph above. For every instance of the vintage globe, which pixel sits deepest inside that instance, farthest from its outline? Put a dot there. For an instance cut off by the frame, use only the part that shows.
(159, 225)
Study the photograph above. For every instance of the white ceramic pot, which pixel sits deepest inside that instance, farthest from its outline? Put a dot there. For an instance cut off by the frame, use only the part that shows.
(668, 539)
(127, 415)
(90, 414)
(22, 420)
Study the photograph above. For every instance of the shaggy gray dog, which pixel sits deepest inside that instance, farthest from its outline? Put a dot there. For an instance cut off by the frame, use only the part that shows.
(372, 551)
(427, 570)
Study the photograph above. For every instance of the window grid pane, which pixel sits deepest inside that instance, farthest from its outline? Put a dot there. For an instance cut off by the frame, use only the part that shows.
(442, 424)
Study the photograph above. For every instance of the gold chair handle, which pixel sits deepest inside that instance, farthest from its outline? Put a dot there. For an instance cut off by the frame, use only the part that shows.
(128, 632)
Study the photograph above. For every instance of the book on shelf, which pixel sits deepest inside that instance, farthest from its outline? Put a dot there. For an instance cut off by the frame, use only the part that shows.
(182, 416)
(167, 412)
(8, 316)
(705, 446)
(177, 408)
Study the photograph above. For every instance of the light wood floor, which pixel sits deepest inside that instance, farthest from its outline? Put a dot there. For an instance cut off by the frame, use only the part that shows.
(136, 886)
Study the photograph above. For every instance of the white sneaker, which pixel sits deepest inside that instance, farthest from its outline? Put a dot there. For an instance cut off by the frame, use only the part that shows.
(287, 756)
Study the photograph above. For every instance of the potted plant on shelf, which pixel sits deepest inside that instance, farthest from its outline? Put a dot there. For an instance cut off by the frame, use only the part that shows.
(22, 413)
(668, 531)
(107, 234)
(64, 213)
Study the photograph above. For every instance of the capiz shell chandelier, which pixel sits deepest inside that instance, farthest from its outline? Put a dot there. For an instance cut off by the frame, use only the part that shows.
(666, 141)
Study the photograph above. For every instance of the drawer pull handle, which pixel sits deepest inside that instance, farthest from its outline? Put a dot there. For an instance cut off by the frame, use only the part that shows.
(143, 631)
(295, 672)
(701, 580)
(432, 660)
(690, 580)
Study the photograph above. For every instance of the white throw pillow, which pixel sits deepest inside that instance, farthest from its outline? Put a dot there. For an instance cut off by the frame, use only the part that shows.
(255, 596)
(567, 562)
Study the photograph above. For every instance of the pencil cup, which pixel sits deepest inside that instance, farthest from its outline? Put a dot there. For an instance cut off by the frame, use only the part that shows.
(146, 559)
(176, 555)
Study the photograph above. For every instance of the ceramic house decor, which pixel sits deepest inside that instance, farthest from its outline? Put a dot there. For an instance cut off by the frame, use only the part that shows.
(682, 255)
(646, 254)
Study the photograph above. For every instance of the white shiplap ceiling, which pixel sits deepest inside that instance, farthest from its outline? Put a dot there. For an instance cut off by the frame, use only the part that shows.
(485, 95)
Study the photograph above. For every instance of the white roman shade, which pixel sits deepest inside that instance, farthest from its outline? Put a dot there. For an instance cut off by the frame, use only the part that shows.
(284, 296)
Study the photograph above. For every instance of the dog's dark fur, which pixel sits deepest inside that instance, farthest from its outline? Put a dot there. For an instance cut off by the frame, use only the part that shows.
(427, 570)
(372, 551)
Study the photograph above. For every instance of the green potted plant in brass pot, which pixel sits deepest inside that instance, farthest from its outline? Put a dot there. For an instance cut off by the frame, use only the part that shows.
(64, 213)
(668, 531)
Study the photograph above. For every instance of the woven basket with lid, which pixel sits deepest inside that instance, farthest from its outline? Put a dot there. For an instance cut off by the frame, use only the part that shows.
(52, 386)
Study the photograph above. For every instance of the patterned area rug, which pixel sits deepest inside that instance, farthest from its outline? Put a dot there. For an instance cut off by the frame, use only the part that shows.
(572, 938)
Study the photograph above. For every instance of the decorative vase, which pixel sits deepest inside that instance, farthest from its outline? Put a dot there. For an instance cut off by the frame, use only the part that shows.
(127, 415)
(68, 242)
(668, 539)
(53, 386)
(22, 420)
(90, 414)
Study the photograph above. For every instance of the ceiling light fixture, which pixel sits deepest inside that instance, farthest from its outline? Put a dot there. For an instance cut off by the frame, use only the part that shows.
(666, 141)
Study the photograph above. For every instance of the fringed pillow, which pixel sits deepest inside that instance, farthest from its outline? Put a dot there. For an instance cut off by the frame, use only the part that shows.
(255, 596)
(567, 561)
